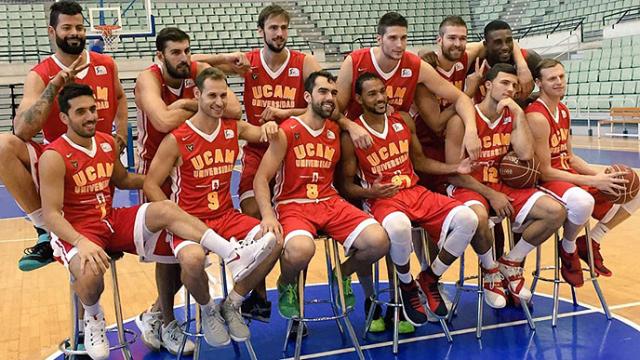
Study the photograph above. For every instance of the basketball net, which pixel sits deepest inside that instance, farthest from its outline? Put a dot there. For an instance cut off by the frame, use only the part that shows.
(110, 36)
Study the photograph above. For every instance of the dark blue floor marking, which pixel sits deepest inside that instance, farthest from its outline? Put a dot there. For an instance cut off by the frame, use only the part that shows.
(583, 336)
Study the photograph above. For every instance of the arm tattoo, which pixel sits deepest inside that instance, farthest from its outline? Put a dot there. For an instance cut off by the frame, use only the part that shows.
(35, 114)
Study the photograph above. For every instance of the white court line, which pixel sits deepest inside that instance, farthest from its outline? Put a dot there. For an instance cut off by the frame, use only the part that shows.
(16, 240)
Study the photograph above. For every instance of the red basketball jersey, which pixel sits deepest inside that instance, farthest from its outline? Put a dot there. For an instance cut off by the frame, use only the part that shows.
(87, 194)
(148, 137)
(306, 173)
(558, 132)
(495, 138)
(100, 76)
(482, 91)
(401, 82)
(388, 157)
(201, 183)
(456, 76)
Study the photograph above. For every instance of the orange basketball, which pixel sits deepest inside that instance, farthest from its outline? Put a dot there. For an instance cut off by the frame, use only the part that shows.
(631, 187)
(518, 173)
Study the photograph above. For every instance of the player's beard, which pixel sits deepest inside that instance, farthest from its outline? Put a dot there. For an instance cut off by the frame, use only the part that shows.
(273, 47)
(63, 44)
(178, 72)
(447, 53)
(81, 131)
(374, 109)
(318, 108)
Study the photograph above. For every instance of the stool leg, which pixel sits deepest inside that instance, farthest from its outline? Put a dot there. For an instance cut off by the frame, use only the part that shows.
(459, 285)
(480, 305)
(524, 305)
(298, 347)
(374, 304)
(556, 281)
(198, 339)
(187, 317)
(396, 312)
(332, 299)
(118, 310)
(347, 322)
(536, 272)
(74, 337)
(594, 280)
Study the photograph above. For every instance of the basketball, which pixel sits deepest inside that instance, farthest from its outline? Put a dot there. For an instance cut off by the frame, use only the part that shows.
(519, 174)
(631, 187)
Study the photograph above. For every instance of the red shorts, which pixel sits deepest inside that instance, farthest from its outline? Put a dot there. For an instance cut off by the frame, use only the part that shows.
(523, 201)
(230, 223)
(35, 150)
(602, 204)
(335, 216)
(250, 162)
(124, 230)
(435, 183)
(431, 210)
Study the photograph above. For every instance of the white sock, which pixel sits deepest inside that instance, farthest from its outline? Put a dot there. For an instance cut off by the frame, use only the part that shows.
(438, 267)
(598, 231)
(235, 299)
(520, 251)
(37, 219)
(404, 278)
(216, 243)
(487, 260)
(92, 310)
(208, 305)
(569, 246)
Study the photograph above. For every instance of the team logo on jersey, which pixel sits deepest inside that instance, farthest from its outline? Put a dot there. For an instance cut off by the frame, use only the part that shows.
(228, 134)
(189, 147)
(296, 136)
(406, 73)
(331, 135)
(189, 83)
(100, 70)
(106, 147)
(458, 66)
(294, 72)
(254, 76)
(564, 113)
(74, 164)
(506, 120)
(397, 127)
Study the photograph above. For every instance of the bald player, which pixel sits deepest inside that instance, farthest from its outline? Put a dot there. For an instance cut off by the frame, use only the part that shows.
(571, 178)
(38, 112)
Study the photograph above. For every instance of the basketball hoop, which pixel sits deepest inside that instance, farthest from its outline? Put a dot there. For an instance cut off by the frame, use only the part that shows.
(110, 36)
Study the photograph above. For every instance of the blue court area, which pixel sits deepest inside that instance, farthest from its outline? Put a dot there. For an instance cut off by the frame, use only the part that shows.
(582, 333)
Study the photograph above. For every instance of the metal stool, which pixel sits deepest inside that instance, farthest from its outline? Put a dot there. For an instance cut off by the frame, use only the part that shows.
(198, 335)
(479, 291)
(525, 306)
(338, 313)
(69, 346)
(393, 295)
(557, 281)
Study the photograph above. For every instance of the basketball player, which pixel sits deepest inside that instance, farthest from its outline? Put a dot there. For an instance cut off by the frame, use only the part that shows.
(273, 90)
(401, 71)
(164, 100)
(38, 112)
(570, 177)
(502, 125)
(200, 155)
(78, 171)
(392, 195)
(304, 156)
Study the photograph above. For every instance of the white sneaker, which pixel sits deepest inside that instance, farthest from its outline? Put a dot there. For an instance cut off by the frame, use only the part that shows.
(513, 273)
(215, 333)
(172, 338)
(95, 339)
(248, 255)
(494, 294)
(149, 323)
(238, 329)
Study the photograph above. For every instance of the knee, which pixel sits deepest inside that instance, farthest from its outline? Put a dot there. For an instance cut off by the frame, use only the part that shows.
(192, 259)
(164, 211)
(298, 251)
(556, 214)
(375, 241)
(398, 227)
(466, 220)
(579, 205)
(9, 145)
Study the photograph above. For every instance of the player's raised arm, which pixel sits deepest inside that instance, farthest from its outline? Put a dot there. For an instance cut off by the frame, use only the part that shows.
(163, 162)
(122, 115)
(521, 139)
(229, 63)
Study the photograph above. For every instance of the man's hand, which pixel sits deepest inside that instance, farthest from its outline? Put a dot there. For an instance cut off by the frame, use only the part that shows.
(380, 190)
(271, 113)
(610, 182)
(509, 103)
(390, 110)
(269, 131)
(271, 224)
(476, 77)
(360, 137)
(93, 256)
(121, 142)
(501, 204)
(470, 145)
(465, 167)
(239, 62)
(67, 76)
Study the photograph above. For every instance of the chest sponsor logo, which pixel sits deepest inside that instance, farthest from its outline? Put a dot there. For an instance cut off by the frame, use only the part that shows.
(294, 72)
(397, 127)
(405, 73)
(506, 120)
(189, 83)
(228, 134)
(458, 66)
(564, 113)
(331, 135)
(100, 70)
(106, 147)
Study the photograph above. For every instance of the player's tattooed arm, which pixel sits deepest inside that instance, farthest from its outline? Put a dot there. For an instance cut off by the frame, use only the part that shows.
(167, 156)
(347, 184)
(51, 167)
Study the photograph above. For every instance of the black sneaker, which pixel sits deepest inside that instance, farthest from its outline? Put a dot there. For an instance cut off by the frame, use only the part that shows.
(38, 255)
(256, 308)
(294, 330)
(412, 307)
(404, 327)
(377, 323)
